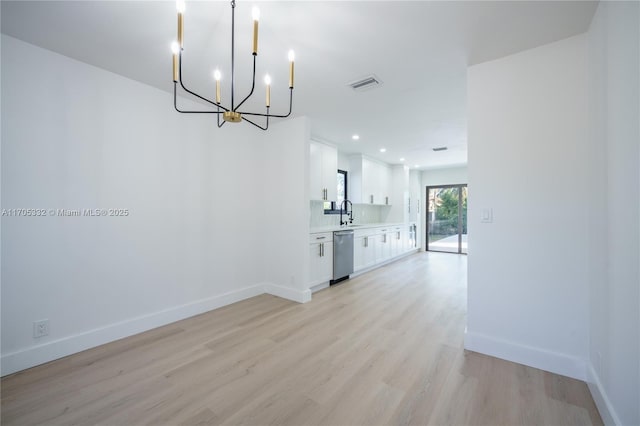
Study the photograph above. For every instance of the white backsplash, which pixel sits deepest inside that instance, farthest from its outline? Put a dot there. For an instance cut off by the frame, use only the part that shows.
(362, 214)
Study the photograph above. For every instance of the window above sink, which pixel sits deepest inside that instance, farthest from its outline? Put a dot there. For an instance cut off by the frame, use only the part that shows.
(333, 207)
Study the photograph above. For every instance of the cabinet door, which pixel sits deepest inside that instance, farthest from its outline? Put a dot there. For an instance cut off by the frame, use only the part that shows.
(393, 244)
(396, 243)
(368, 184)
(330, 172)
(320, 263)
(381, 246)
(384, 184)
(370, 251)
(316, 188)
(410, 239)
(325, 272)
(359, 247)
(376, 182)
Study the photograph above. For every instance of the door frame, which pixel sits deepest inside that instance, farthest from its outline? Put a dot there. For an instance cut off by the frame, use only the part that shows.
(426, 232)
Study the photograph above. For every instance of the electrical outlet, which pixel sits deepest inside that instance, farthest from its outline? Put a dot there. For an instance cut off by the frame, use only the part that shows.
(41, 328)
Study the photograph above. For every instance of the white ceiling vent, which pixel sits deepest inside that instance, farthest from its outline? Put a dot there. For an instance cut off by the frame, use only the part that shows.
(365, 83)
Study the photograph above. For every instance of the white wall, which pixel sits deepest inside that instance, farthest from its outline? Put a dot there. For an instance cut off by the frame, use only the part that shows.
(527, 280)
(614, 72)
(343, 161)
(75, 136)
(285, 187)
(446, 176)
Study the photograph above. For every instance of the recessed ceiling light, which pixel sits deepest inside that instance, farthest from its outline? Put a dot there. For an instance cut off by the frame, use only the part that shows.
(355, 137)
(383, 149)
(402, 159)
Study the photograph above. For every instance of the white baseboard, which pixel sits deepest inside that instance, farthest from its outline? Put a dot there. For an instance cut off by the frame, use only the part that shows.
(288, 293)
(608, 414)
(553, 362)
(36, 355)
(319, 287)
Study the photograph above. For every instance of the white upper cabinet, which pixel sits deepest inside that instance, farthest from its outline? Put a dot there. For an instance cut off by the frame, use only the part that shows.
(384, 184)
(323, 169)
(370, 181)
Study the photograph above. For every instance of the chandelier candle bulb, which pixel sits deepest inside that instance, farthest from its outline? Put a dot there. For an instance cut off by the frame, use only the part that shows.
(180, 6)
(217, 76)
(175, 48)
(256, 17)
(267, 81)
(181, 24)
(291, 59)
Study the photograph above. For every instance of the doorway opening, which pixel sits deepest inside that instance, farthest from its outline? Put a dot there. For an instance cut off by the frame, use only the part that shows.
(447, 218)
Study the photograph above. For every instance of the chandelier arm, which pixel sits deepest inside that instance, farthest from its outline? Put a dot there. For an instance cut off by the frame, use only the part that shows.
(253, 85)
(218, 117)
(175, 104)
(193, 93)
(258, 126)
(255, 114)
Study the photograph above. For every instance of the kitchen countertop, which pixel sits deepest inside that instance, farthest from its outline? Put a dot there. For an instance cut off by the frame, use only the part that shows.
(357, 226)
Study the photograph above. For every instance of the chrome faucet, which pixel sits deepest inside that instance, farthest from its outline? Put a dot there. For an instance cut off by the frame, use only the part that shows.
(346, 203)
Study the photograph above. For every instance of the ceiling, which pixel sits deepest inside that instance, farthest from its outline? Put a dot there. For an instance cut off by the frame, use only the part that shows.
(420, 50)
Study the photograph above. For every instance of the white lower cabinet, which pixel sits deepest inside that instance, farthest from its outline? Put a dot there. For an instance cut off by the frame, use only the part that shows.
(385, 241)
(371, 246)
(320, 258)
(397, 242)
(364, 250)
(358, 253)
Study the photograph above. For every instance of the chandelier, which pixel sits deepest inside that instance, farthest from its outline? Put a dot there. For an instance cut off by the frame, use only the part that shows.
(230, 113)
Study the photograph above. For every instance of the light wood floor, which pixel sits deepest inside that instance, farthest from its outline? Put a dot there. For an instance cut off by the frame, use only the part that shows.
(383, 348)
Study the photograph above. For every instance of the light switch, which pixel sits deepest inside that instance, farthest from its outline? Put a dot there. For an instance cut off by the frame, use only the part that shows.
(487, 216)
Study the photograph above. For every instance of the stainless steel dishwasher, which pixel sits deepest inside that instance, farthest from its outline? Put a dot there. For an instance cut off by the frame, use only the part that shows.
(342, 255)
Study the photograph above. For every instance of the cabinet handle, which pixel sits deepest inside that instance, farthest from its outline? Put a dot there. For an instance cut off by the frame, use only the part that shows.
(371, 198)
(366, 241)
(320, 238)
(320, 250)
(384, 239)
(386, 200)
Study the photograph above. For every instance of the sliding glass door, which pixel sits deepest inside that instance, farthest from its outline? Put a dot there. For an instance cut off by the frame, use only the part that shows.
(447, 218)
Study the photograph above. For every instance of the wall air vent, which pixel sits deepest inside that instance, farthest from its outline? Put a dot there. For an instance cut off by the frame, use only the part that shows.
(440, 148)
(366, 83)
